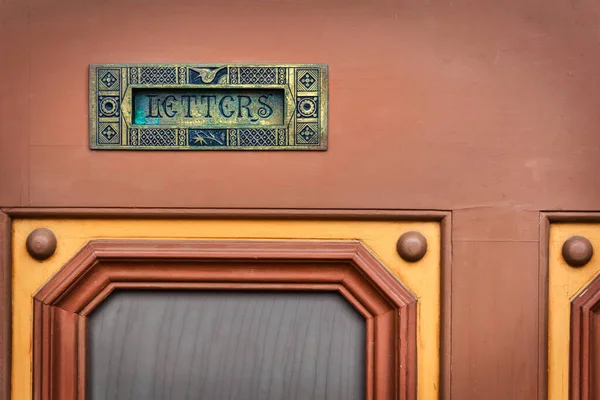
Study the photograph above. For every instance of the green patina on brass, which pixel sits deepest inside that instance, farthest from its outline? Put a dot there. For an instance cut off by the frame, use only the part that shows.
(208, 107)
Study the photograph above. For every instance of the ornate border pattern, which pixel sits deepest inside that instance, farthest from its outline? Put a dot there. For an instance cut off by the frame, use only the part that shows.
(62, 305)
(305, 92)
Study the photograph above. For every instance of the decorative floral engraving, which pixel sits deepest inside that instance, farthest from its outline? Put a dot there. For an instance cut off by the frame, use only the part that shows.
(208, 137)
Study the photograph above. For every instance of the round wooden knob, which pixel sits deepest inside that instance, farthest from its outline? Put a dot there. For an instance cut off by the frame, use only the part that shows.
(41, 243)
(412, 246)
(577, 251)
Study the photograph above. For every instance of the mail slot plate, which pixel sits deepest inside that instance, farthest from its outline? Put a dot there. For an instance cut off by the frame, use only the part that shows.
(208, 107)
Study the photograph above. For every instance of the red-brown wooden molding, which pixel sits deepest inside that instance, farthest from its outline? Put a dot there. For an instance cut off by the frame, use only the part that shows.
(62, 305)
(446, 306)
(225, 213)
(582, 309)
(543, 246)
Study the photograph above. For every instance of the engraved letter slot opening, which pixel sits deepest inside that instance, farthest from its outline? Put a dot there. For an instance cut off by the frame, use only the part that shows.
(208, 107)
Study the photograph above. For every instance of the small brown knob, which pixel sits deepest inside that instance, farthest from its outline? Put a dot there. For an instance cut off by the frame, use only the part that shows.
(412, 246)
(41, 243)
(577, 251)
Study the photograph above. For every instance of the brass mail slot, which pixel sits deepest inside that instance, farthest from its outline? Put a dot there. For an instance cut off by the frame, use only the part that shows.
(208, 107)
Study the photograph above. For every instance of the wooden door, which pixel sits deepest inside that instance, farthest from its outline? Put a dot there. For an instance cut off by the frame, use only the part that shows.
(474, 123)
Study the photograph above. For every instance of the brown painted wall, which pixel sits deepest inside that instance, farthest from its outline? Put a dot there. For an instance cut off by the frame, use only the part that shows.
(486, 108)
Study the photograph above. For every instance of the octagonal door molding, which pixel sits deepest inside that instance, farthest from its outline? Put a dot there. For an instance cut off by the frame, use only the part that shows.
(62, 306)
(585, 343)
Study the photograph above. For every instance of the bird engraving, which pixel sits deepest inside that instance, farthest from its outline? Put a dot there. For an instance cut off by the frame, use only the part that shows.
(207, 75)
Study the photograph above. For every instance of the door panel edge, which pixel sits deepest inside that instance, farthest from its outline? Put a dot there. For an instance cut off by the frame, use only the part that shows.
(560, 287)
(5, 305)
